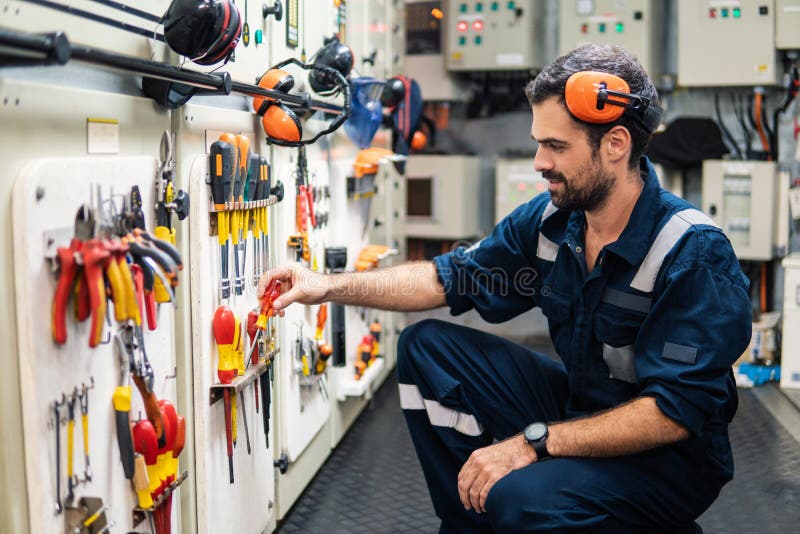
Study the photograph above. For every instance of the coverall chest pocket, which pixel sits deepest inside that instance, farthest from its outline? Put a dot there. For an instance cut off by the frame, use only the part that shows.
(616, 329)
(557, 307)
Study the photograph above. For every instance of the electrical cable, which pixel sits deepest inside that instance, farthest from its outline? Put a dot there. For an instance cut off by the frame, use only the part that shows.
(152, 34)
(129, 9)
(725, 132)
(738, 111)
(758, 98)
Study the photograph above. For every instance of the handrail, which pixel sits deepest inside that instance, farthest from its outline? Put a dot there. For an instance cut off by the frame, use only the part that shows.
(55, 48)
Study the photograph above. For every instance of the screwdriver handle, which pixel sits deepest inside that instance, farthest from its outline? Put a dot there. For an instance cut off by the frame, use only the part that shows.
(141, 483)
(117, 289)
(122, 407)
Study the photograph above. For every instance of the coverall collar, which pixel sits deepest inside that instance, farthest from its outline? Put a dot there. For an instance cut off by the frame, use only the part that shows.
(634, 241)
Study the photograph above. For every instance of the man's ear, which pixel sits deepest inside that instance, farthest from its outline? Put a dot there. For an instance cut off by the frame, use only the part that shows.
(617, 144)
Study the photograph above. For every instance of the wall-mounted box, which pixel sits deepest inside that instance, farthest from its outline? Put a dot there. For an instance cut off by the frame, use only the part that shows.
(515, 183)
(636, 25)
(790, 351)
(442, 197)
(726, 43)
(741, 196)
(787, 24)
(490, 35)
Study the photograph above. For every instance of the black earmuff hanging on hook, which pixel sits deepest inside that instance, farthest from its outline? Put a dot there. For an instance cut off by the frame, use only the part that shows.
(205, 31)
(335, 55)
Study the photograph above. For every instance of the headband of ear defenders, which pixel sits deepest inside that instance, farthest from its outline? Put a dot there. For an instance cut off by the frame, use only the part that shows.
(602, 98)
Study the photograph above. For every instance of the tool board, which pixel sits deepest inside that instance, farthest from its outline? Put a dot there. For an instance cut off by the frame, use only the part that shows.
(46, 197)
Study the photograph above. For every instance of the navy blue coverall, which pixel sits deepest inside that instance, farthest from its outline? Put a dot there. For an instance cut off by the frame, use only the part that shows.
(664, 313)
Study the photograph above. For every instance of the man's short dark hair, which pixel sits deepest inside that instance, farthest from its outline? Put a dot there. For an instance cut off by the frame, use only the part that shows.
(611, 59)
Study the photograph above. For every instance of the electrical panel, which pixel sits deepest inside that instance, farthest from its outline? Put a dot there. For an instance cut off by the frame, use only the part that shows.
(787, 22)
(726, 43)
(636, 25)
(790, 351)
(515, 183)
(489, 35)
(443, 194)
(738, 195)
(424, 59)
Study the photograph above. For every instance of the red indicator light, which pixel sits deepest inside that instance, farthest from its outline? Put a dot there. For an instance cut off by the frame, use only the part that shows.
(462, 26)
(477, 25)
(584, 28)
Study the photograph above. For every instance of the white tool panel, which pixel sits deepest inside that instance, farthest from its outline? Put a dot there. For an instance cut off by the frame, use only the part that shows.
(220, 503)
(726, 42)
(46, 197)
(636, 25)
(489, 35)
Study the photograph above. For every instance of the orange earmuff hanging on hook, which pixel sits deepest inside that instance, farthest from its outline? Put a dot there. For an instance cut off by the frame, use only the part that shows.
(278, 120)
(602, 98)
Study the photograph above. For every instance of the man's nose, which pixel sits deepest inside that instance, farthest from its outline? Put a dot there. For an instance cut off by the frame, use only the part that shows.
(541, 162)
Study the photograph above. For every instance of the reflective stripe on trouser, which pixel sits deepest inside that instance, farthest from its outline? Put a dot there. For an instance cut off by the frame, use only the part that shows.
(460, 389)
(451, 376)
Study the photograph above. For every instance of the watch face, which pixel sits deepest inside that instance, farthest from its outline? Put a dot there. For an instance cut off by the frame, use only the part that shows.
(535, 431)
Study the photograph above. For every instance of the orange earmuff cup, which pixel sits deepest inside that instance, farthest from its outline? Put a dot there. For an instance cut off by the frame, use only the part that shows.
(276, 79)
(418, 140)
(581, 96)
(281, 123)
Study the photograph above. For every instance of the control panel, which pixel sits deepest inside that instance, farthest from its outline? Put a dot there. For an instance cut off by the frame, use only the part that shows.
(490, 35)
(726, 43)
(515, 183)
(636, 25)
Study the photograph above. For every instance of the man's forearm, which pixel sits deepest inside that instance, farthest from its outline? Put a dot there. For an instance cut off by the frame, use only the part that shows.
(633, 427)
(407, 287)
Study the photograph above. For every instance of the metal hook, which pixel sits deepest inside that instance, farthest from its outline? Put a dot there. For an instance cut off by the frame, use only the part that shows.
(169, 377)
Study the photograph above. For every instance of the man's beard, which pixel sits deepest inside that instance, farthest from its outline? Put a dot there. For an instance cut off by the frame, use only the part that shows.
(590, 197)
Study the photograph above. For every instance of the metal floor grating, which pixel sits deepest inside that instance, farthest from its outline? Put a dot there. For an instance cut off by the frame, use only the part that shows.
(373, 483)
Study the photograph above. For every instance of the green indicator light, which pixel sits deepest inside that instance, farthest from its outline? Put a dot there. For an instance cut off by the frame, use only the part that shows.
(495, 6)
(601, 27)
(462, 40)
(724, 12)
(478, 7)
(478, 39)
(259, 37)
(620, 27)
(737, 12)
(511, 5)
(463, 8)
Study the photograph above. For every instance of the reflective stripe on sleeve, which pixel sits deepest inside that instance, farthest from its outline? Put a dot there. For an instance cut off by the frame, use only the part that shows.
(546, 249)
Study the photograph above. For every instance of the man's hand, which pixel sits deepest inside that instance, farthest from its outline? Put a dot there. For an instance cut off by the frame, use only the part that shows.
(298, 284)
(488, 465)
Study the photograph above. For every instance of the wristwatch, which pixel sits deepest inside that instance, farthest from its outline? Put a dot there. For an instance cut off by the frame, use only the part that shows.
(536, 434)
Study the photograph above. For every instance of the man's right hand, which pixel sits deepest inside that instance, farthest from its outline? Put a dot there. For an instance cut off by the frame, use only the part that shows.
(298, 284)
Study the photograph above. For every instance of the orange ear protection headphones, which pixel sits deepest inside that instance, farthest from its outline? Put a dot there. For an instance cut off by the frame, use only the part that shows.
(602, 98)
(205, 31)
(280, 123)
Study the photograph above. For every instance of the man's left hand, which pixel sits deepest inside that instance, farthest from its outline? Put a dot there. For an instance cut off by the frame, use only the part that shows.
(488, 465)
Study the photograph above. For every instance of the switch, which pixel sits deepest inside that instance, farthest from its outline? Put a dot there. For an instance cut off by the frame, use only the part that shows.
(763, 10)
(259, 37)
(638, 15)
